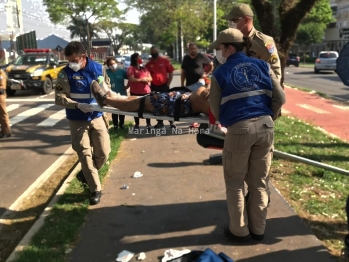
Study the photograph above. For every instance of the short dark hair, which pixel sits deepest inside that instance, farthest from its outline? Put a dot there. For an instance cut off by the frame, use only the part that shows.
(191, 44)
(74, 48)
(110, 59)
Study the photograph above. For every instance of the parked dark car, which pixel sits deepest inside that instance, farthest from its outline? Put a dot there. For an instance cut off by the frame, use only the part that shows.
(292, 59)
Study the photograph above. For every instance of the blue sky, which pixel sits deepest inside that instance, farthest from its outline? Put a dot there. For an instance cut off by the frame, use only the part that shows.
(36, 18)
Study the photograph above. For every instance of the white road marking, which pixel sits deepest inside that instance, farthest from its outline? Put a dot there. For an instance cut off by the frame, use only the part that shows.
(314, 109)
(53, 119)
(46, 94)
(341, 107)
(12, 107)
(30, 100)
(284, 111)
(28, 113)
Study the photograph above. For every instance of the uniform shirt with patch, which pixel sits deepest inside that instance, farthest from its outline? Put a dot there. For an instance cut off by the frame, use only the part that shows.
(62, 89)
(265, 49)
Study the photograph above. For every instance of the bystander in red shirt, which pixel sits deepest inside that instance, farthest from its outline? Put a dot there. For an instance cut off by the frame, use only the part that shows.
(139, 88)
(159, 69)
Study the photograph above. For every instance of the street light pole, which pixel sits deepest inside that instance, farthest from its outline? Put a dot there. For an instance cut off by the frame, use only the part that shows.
(214, 22)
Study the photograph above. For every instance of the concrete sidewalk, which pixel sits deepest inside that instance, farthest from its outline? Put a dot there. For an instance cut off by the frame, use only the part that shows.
(180, 203)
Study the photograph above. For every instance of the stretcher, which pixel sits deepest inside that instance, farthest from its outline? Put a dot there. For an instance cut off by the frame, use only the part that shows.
(202, 119)
(213, 139)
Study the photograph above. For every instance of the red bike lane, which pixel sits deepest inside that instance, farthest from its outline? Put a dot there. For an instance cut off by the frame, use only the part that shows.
(330, 115)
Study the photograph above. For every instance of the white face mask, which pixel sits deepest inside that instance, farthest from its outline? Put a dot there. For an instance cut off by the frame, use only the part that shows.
(220, 57)
(113, 67)
(75, 66)
(231, 24)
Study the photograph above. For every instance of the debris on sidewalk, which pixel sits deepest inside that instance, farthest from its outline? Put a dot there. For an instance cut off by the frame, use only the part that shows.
(124, 256)
(137, 174)
(173, 253)
(124, 187)
(141, 256)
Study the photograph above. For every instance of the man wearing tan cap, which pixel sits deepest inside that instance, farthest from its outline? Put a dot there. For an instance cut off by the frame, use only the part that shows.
(241, 17)
(246, 97)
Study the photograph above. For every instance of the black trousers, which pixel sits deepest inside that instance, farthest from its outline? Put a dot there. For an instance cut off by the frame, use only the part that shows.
(116, 119)
(137, 118)
(160, 89)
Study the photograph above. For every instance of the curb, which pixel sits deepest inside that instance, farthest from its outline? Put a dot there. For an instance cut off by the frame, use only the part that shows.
(41, 220)
(37, 183)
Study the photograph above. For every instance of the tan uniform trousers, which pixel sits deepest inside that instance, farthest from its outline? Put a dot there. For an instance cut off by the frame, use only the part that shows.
(91, 142)
(248, 152)
(4, 120)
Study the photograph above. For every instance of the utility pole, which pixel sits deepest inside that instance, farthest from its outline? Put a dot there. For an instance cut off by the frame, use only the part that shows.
(88, 38)
(214, 22)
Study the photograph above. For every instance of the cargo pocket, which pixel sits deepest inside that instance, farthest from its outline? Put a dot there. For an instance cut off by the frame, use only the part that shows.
(239, 138)
(227, 160)
(269, 132)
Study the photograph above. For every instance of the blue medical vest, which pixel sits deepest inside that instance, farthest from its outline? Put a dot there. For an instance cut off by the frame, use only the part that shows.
(80, 90)
(246, 89)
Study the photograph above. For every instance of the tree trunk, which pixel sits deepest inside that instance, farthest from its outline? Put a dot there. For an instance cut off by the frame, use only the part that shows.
(170, 50)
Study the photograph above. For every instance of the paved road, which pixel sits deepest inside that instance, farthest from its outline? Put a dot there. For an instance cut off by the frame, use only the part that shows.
(325, 82)
(40, 137)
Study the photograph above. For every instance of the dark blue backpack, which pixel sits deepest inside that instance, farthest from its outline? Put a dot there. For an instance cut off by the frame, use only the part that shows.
(203, 256)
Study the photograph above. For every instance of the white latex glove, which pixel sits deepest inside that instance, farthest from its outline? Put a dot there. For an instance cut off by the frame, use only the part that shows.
(85, 107)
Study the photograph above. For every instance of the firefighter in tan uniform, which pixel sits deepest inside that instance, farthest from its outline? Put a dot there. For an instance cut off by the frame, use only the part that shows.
(89, 132)
(4, 120)
(241, 17)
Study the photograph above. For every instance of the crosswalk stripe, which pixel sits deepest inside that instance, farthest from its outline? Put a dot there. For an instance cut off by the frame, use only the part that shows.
(30, 100)
(341, 107)
(53, 119)
(314, 109)
(12, 107)
(28, 113)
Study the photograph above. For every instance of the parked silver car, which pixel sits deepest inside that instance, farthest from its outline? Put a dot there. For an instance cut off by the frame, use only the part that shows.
(327, 60)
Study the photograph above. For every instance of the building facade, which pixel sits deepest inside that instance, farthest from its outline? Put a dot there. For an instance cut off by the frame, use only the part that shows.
(337, 33)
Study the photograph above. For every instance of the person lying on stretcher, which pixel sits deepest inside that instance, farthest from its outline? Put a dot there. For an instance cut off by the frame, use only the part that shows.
(160, 104)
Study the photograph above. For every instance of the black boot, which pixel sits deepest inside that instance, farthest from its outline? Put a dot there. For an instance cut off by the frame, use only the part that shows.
(95, 197)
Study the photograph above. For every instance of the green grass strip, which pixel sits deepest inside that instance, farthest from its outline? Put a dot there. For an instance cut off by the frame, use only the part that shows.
(61, 227)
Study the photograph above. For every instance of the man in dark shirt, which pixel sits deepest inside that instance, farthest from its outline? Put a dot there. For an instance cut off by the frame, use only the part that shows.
(193, 66)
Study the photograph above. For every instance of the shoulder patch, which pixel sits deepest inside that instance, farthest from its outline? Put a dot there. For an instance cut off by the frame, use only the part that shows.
(59, 87)
(273, 59)
(61, 75)
(270, 46)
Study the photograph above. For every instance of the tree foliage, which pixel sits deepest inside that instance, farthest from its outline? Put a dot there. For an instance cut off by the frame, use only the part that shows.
(81, 10)
(117, 32)
(61, 10)
(78, 28)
